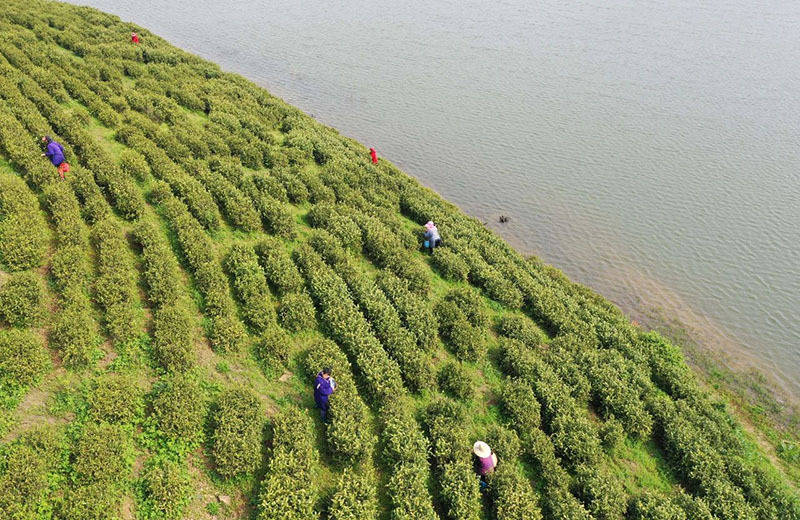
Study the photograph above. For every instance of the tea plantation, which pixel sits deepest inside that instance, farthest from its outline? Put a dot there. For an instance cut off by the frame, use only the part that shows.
(165, 309)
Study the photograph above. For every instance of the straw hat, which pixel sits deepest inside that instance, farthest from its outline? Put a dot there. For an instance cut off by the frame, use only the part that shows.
(481, 449)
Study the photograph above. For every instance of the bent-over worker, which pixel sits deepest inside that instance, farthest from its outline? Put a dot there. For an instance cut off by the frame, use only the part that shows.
(432, 238)
(55, 152)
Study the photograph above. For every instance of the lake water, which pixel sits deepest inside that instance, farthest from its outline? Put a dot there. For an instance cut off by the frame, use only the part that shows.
(649, 148)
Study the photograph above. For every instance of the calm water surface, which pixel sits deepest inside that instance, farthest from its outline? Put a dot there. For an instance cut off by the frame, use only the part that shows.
(649, 148)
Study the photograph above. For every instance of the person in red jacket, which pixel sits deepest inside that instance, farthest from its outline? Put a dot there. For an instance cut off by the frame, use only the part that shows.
(374, 155)
(134, 38)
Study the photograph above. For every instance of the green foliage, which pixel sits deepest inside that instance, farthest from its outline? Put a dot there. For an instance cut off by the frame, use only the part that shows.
(250, 286)
(650, 506)
(23, 231)
(451, 266)
(227, 333)
(522, 329)
(134, 164)
(287, 492)
(21, 300)
(273, 347)
(296, 312)
(167, 489)
(512, 495)
(173, 338)
(462, 323)
(278, 267)
(116, 399)
(456, 380)
(179, 408)
(115, 288)
(238, 424)
(23, 359)
(355, 497)
(504, 442)
(612, 435)
(102, 455)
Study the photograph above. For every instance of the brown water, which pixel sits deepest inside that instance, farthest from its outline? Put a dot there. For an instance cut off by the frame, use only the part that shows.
(649, 149)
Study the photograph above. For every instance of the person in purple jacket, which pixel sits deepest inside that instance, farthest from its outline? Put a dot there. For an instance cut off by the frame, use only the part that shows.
(55, 152)
(324, 386)
(486, 462)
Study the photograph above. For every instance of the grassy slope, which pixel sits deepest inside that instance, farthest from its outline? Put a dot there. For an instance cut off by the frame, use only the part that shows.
(63, 396)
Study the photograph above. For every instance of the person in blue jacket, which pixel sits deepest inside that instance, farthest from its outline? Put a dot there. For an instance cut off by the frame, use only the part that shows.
(324, 386)
(55, 152)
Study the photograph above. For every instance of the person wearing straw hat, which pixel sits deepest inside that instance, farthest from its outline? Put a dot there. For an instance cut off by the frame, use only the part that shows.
(432, 238)
(487, 460)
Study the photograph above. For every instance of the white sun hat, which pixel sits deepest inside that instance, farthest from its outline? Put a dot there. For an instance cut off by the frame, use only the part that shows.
(481, 449)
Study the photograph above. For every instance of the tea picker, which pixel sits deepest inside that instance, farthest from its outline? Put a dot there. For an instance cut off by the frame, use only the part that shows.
(55, 152)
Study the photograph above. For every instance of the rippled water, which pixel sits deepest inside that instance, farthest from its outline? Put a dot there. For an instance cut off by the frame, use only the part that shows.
(647, 148)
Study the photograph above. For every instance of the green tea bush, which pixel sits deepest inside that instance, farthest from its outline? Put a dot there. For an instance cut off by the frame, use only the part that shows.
(522, 329)
(416, 368)
(273, 347)
(451, 266)
(190, 191)
(470, 304)
(173, 338)
(406, 452)
(384, 248)
(270, 185)
(468, 342)
(276, 216)
(355, 497)
(615, 392)
(287, 492)
(520, 404)
(503, 441)
(236, 440)
(94, 205)
(21, 300)
(179, 407)
(250, 286)
(24, 483)
(23, 231)
(227, 333)
(603, 494)
(167, 489)
(414, 311)
(652, 506)
(102, 455)
(512, 495)
(115, 288)
(612, 434)
(296, 312)
(74, 335)
(116, 399)
(23, 358)
(65, 214)
(134, 164)
(237, 208)
(278, 267)
(456, 380)
(326, 216)
(161, 269)
(295, 189)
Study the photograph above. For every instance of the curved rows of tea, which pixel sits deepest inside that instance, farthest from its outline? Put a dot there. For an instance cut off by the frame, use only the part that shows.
(164, 310)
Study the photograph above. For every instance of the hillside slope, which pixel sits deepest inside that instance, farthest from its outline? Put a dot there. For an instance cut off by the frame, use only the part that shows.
(166, 308)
